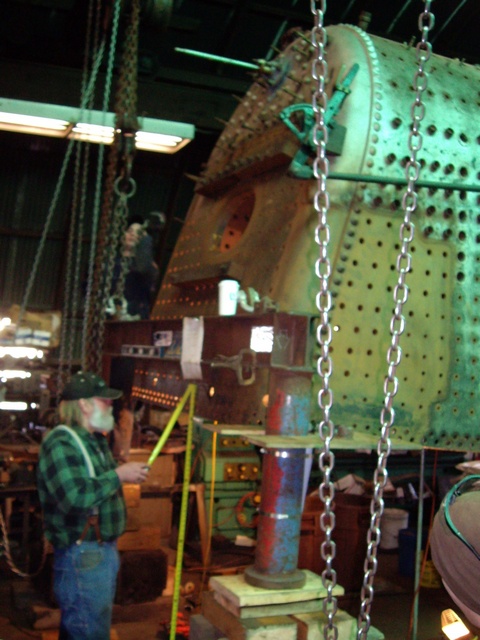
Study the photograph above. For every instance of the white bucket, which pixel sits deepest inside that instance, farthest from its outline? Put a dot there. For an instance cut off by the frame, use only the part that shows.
(393, 521)
(227, 297)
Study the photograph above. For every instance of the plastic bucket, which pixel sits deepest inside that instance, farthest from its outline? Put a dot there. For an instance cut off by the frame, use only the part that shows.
(393, 521)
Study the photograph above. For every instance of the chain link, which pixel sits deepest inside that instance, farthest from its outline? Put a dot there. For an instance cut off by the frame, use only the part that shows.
(56, 195)
(4, 542)
(64, 361)
(88, 328)
(321, 204)
(46, 228)
(97, 46)
(397, 323)
(77, 217)
(89, 335)
(112, 219)
(122, 216)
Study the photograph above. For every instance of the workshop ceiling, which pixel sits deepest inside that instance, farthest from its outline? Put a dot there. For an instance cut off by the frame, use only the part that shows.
(42, 46)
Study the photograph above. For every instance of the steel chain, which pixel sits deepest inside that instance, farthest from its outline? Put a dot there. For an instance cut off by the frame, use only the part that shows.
(103, 269)
(324, 304)
(46, 228)
(67, 337)
(83, 208)
(90, 337)
(93, 44)
(111, 226)
(127, 124)
(4, 542)
(74, 255)
(53, 204)
(88, 331)
(122, 215)
(64, 362)
(397, 323)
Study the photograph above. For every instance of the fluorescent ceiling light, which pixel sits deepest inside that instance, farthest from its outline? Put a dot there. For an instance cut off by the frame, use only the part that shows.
(14, 373)
(13, 406)
(20, 352)
(22, 116)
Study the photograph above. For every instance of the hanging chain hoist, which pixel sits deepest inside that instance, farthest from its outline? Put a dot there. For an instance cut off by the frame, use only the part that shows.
(56, 195)
(86, 330)
(95, 48)
(118, 187)
(397, 324)
(324, 305)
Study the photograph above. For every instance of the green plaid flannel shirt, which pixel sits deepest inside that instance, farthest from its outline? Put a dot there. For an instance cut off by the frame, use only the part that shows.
(67, 493)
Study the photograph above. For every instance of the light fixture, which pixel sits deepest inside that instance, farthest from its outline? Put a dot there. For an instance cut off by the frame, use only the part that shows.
(10, 374)
(58, 121)
(5, 322)
(7, 405)
(453, 627)
(20, 352)
(261, 339)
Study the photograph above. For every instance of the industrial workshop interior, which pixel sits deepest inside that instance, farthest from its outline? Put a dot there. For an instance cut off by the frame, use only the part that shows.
(254, 228)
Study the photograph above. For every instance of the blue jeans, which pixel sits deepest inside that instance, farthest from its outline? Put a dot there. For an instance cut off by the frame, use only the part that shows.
(85, 578)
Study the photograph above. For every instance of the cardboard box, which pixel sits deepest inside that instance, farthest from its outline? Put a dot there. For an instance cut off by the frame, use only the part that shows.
(131, 494)
(145, 539)
(156, 512)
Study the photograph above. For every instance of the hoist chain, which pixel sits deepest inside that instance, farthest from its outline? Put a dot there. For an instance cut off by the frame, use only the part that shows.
(83, 207)
(89, 333)
(127, 124)
(53, 204)
(117, 181)
(4, 542)
(121, 213)
(397, 323)
(92, 43)
(46, 228)
(103, 268)
(79, 198)
(126, 99)
(66, 342)
(324, 304)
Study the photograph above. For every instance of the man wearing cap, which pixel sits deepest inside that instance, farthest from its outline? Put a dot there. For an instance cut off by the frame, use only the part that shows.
(79, 487)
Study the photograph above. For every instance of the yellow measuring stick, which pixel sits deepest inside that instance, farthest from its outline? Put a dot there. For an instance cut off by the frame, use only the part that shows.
(191, 390)
(189, 394)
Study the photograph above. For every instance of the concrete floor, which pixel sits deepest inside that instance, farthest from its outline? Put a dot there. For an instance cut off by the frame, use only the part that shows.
(393, 605)
(390, 612)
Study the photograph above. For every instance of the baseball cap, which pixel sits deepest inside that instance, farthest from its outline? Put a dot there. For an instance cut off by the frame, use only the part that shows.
(86, 385)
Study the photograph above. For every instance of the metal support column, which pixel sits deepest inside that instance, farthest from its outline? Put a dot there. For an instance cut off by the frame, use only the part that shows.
(282, 491)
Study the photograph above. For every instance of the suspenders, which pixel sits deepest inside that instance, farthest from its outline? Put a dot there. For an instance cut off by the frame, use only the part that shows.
(92, 520)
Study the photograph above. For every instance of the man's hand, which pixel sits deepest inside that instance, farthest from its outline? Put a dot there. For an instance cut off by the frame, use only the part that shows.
(134, 472)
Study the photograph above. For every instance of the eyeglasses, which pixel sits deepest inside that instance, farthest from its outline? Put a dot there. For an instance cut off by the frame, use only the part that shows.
(466, 484)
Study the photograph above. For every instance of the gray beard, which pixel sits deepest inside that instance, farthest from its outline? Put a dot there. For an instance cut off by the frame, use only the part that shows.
(102, 421)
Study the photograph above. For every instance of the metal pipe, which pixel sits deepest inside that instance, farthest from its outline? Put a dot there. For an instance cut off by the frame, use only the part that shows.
(430, 184)
(214, 58)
